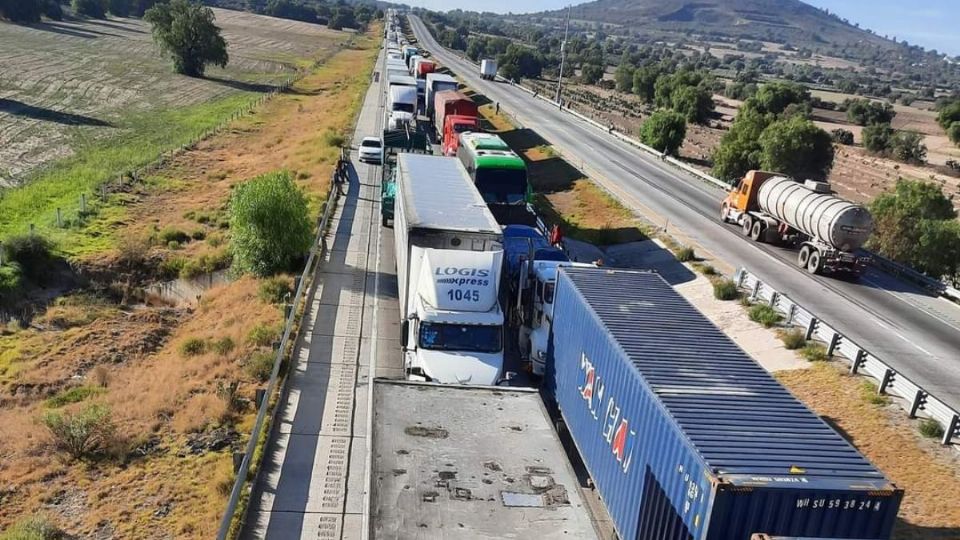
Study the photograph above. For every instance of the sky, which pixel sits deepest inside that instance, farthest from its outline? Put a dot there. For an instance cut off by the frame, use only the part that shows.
(934, 24)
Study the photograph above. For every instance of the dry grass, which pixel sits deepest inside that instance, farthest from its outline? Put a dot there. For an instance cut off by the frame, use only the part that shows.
(926, 471)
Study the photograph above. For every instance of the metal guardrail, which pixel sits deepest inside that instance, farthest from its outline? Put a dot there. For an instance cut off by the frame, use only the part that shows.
(264, 396)
(889, 380)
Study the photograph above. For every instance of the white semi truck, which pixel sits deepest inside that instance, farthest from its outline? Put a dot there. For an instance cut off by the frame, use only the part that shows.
(488, 69)
(402, 103)
(449, 257)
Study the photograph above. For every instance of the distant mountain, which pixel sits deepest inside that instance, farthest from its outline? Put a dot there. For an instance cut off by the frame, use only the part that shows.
(783, 21)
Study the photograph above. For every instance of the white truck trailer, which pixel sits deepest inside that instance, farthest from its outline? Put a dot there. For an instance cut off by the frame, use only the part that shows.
(451, 461)
(449, 257)
(488, 69)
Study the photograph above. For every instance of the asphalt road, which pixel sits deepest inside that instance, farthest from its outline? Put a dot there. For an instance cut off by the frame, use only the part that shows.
(912, 331)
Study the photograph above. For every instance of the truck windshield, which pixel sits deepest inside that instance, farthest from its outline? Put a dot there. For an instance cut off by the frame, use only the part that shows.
(403, 107)
(460, 337)
(460, 128)
(502, 185)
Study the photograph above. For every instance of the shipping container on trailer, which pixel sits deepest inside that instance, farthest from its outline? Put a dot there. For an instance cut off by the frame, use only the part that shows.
(688, 438)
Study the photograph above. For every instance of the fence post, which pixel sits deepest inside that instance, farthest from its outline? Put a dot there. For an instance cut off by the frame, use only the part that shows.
(834, 341)
(740, 276)
(888, 376)
(791, 313)
(951, 430)
(756, 290)
(919, 402)
(858, 361)
(774, 298)
(237, 461)
(260, 394)
(811, 328)
(59, 219)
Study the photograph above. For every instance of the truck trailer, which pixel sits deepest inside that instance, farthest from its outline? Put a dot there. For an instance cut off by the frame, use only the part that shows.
(470, 462)
(449, 256)
(402, 105)
(451, 102)
(826, 229)
(688, 438)
(437, 82)
(488, 69)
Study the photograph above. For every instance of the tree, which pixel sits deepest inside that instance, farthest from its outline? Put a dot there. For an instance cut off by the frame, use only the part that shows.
(187, 33)
(270, 224)
(865, 112)
(740, 90)
(591, 73)
(90, 8)
(908, 147)
(624, 76)
(520, 61)
(26, 11)
(739, 149)
(842, 136)
(915, 224)
(954, 132)
(476, 48)
(119, 8)
(286, 9)
(341, 18)
(53, 10)
(949, 114)
(877, 138)
(644, 82)
(776, 96)
(798, 148)
(664, 131)
(694, 102)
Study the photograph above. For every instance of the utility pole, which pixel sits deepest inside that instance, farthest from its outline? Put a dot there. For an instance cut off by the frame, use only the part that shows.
(563, 49)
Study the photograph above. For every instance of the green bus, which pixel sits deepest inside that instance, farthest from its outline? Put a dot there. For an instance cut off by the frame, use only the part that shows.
(499, 174)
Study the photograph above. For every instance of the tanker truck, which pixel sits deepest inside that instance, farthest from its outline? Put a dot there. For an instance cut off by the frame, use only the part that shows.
(826, 229)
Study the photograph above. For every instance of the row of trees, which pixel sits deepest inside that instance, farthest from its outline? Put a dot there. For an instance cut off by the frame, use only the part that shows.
(335, 15)
(683, 89)
(29, 11)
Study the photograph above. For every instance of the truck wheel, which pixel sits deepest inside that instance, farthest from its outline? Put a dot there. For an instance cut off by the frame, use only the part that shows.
(383, 220)
(813, 265)
(756, 230)
(747, 225)
(724, 211)
(803, 257)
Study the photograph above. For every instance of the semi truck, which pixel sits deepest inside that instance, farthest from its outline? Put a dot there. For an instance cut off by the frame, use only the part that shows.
(471, 462)
(453, 126)
(826, 229)
(449, 257)
(451, 102)
(422, 67)
(488, 69)
(437, 82)
(402, 104)
(500, 175)
(685, 436)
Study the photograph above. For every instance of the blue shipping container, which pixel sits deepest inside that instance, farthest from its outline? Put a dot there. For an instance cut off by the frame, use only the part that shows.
(684, 435)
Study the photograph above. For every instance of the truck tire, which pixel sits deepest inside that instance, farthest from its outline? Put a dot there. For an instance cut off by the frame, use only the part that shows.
(813, 265)
(747, 225)
(756, 230)
(383, 220)
(724, 210)
(803, 257)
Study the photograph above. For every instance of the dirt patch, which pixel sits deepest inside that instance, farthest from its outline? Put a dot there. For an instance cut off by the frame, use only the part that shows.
(925, 470)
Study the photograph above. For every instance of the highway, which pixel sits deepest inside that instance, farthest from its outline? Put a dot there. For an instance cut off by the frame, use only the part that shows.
(914, 332)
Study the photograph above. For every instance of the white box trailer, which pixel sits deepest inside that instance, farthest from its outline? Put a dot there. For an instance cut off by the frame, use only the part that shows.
(488, 69)
(451, 461)
(437, 82)
(449, 257)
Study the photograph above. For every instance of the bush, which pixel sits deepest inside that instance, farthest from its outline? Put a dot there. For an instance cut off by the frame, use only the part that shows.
(869, 392)
(262, 335)
(865, 112)
(11, 277)
(908, 147)
(90, 8)
(193, 347)
(205, 264)
(793, 339)
(32, 251)
(172, 234)
(686, 254)
(171, 268)
(842, 136)
(953, 132)
(334, 139)
(271, 225)
(223, 345)
(708, 270)
(814, 352)
(274, 290)
(198, 234)
(72, 395)
(725, 289)
(84, 434)
(765, 315)
(260, 365)
(931, 429)
(33, 528)
(664, 131)
(877, 138)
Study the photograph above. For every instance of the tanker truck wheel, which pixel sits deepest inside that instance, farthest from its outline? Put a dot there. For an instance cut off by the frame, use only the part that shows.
(803, 257)
(756, 230)
(747, 225)
(813, 265)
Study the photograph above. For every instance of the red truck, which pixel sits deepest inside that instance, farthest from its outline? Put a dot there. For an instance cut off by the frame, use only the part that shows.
(451, 102)
(453, 126)
(423, 67)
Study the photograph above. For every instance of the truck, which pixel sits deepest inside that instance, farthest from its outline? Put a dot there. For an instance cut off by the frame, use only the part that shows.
(500, 175)
(408, 51)
(681, 431)
(402, 105)
(488, 69)
(827, 230)
(422, 67)
(451, 102)
(470, 462)
(449, 256)
(395, 142)
(453, 126)
(412, 62)
(437, 82)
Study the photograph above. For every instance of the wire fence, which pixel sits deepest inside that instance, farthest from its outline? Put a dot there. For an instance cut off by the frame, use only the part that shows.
(267, 397)
(889, 381)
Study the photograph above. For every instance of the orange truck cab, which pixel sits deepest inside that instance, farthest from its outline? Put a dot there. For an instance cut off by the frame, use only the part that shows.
(743, 197)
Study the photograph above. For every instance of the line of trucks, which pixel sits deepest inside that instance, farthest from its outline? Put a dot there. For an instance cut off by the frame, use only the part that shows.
(683, 436)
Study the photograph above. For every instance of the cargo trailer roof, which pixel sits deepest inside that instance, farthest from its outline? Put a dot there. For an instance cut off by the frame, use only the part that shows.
(473, 462)
(439, 194)
(744, 424)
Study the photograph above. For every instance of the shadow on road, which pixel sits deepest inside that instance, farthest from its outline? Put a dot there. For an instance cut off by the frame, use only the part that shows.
(18, 108)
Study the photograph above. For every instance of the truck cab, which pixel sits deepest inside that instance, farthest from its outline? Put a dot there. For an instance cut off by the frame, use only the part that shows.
(455, 334)
(454, 125)
(402, 105)
(743, 197)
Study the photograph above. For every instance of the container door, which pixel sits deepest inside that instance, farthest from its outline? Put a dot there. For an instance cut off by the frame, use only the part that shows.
(659, 519)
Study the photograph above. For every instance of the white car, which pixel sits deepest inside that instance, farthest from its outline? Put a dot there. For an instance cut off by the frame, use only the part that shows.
(371, 149)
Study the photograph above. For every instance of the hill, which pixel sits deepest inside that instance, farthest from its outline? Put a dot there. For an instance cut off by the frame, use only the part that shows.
(781, 21)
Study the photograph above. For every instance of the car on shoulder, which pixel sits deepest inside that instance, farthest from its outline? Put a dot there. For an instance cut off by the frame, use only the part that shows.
(371, 150)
